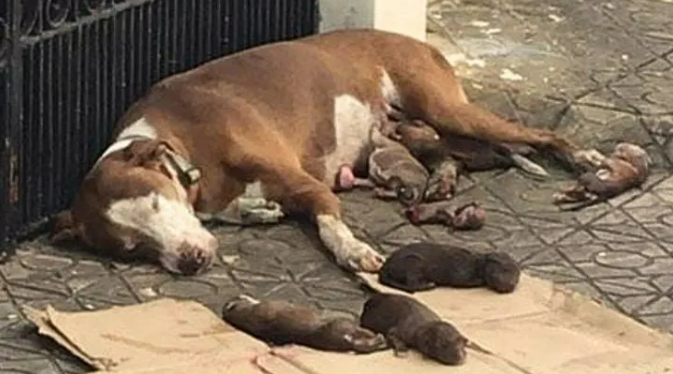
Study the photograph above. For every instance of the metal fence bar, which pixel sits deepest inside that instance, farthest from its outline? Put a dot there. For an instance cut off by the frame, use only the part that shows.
(5, 46)
(70, 68)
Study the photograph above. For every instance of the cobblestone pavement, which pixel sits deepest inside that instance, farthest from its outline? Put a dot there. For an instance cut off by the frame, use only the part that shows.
(598, 71)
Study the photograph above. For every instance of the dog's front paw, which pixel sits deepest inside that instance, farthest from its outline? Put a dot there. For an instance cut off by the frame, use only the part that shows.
(360, 257)
(261, 211)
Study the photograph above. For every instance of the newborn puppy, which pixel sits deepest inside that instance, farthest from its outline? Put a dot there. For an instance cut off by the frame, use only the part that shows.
(280, 322)
(470, 216)
(407, 323)
(471, 154)
(425, 144)
(626, 168)
(394, 173)
(424, 266)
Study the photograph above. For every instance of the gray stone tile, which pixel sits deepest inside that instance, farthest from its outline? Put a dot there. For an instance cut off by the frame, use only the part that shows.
(659, 306)
(583, 253)
(658, 266)
(659, 322)
(623, 287)
(597, 271)
(632, 304)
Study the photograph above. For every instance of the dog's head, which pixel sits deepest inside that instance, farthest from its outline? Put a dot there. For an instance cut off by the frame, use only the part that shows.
(137, 202)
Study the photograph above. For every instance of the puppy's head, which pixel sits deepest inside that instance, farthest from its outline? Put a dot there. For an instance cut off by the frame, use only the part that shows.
(469, 217)
(634, 155)
(409, 192)
(501, 272)
(442, 342)
(418, 137)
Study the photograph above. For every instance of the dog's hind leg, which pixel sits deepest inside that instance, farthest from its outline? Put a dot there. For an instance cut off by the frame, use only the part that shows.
(437, 97)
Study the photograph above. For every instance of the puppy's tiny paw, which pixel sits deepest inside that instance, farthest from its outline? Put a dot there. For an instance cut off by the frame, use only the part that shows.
(589, 157)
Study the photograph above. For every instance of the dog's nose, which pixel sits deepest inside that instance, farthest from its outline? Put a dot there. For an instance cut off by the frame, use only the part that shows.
(194, 259)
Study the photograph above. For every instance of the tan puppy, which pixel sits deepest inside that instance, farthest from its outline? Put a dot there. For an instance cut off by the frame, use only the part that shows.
(626, 168)
(392, 171)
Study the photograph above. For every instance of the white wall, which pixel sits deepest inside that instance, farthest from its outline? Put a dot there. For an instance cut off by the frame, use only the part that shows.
(402, 16)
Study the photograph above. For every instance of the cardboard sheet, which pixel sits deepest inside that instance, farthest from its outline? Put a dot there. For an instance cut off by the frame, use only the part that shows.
(158, 333)
(545, 328)
(539, 329)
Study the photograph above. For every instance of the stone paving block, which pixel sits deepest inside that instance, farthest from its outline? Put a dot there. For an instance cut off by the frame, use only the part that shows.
(602, 128)
(647, 21)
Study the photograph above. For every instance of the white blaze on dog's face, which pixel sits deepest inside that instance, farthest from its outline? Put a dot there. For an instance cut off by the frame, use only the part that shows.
(169, 225)
(133, 205)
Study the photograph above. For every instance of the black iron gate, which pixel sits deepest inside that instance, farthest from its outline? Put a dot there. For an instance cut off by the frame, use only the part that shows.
(69, 68)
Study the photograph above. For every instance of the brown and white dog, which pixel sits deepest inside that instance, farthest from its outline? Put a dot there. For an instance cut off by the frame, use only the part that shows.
(273, 123)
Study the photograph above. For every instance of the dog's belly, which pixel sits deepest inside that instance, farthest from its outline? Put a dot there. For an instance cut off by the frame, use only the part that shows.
(353, 122)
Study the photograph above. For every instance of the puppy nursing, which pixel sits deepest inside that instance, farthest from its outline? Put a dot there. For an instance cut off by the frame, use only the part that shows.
(393, 171)
(466, 153)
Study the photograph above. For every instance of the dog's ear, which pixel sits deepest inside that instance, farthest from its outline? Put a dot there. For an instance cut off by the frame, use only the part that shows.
(145, 153)
(64, 228)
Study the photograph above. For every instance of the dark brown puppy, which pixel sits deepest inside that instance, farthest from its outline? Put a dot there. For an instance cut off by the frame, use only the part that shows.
(626, 168)
(424, 266)
(281, 322)
(446, 157)
(470, 216)
(407, 323)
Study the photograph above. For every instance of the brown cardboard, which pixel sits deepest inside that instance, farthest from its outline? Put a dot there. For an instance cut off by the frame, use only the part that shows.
(539, 329)
(217, 363)
(145, 335)
(312, 361)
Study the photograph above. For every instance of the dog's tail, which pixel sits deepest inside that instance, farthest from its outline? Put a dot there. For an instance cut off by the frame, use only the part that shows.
(528, 166)
(471, 120)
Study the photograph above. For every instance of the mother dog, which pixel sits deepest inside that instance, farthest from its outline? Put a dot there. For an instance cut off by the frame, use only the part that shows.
(275, 122)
